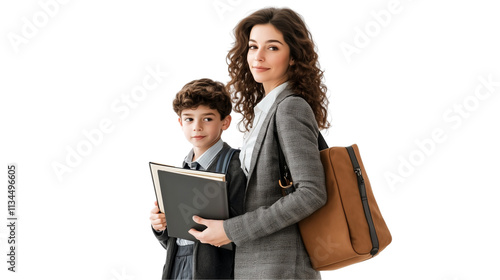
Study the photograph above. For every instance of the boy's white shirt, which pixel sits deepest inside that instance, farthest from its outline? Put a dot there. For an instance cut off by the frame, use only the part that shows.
(207, 157)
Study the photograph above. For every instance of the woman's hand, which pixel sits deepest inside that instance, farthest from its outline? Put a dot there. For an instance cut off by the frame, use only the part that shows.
(158, 221)
(214, 234)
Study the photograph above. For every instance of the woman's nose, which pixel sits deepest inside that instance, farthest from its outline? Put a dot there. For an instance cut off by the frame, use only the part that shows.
(259, 55)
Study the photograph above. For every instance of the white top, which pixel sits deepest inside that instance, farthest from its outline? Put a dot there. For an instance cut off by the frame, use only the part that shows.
(250, 137)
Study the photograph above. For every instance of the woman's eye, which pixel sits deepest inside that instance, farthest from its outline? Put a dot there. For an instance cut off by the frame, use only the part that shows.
(273, 48)
(252, 47)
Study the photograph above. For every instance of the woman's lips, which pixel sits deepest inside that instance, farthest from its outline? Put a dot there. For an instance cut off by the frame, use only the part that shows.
(260, 69)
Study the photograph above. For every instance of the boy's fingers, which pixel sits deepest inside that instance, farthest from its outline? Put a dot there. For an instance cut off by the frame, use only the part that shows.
(159, 222)
(157, 217)
(159, 227)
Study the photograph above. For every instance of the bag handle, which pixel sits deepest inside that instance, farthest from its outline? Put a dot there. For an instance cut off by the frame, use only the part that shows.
(364, 200)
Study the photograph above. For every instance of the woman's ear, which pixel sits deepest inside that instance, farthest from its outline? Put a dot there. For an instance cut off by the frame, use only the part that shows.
(292, 61)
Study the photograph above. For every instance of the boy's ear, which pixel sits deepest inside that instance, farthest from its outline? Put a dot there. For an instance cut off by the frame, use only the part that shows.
(226, 122)
(180, 121)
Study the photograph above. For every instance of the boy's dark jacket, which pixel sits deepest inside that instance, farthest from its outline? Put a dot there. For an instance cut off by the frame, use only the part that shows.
(210, 262)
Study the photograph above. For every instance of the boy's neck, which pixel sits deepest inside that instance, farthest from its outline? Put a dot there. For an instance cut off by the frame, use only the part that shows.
(198, 152)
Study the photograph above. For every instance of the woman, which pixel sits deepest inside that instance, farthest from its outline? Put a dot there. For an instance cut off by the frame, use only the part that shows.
(275, 79)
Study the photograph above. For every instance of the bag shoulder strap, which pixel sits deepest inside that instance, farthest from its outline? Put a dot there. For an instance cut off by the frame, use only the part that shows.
(285, 179)
(224, 160)
(322, 142)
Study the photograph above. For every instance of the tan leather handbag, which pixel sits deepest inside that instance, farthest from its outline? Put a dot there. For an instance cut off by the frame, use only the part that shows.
(349, 228)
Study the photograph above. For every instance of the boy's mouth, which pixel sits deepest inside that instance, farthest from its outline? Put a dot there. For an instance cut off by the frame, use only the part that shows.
(199, 137)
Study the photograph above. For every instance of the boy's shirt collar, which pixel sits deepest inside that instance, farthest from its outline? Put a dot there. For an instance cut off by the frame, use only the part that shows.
(206, 159)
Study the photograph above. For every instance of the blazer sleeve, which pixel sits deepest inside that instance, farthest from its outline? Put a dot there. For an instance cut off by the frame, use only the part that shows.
(162, 237)
(298, 136)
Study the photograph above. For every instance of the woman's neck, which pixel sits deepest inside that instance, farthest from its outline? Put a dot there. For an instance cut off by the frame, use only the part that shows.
(269, 87)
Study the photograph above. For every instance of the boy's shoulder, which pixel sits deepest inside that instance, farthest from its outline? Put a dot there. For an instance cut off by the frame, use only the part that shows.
(226, 157)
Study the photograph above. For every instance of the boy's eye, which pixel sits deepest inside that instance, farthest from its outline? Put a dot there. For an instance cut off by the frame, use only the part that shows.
(188, 119)
(207, 119)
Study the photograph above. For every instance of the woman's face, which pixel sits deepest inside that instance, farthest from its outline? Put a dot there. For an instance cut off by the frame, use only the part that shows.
(268, 56)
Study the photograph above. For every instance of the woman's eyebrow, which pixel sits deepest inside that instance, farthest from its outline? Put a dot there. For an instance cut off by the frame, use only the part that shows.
(268, 41)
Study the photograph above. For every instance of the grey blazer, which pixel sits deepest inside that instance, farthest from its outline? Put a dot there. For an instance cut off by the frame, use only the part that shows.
(269, 245)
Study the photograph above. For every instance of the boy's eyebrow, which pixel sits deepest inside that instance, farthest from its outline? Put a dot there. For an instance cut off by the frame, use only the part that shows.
(268, 41)
(206, 114)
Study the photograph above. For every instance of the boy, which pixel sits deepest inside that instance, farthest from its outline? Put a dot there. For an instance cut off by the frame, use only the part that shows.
(204, 108)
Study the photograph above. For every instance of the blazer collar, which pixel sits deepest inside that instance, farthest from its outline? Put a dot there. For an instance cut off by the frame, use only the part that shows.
(265, 127)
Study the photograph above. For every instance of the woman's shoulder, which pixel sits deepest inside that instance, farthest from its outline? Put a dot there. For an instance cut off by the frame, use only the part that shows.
(290, 100)
(293, 104)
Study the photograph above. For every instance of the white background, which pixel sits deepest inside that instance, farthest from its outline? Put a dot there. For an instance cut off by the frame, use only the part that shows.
(64, 66)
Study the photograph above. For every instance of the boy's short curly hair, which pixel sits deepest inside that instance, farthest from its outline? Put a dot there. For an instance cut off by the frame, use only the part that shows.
(204, 92)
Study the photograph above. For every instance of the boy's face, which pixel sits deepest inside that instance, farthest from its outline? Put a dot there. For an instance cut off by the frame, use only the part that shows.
(202, 127)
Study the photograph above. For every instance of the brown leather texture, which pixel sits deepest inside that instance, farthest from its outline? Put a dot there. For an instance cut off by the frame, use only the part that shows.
(337, 234)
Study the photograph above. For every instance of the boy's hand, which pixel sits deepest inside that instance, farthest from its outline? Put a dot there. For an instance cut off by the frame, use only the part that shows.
(214, 234)
(158, 221)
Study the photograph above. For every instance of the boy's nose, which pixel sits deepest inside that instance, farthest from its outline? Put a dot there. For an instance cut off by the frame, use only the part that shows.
(197, 126)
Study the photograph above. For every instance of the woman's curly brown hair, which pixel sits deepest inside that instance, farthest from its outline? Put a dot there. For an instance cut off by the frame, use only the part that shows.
(304, 77)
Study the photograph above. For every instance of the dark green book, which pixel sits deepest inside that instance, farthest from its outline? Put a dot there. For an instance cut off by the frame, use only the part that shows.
(182, 193)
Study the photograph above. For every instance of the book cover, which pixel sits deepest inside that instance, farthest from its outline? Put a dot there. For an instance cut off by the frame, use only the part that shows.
(182, 193)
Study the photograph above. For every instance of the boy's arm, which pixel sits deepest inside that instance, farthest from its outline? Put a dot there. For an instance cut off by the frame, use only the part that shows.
(159, 225)
(162, 237)
(236, 182)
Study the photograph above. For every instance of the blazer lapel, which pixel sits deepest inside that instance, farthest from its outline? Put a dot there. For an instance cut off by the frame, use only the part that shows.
(264, 129)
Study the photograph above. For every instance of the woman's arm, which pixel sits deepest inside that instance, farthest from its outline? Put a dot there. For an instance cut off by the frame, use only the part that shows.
(298, 133)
